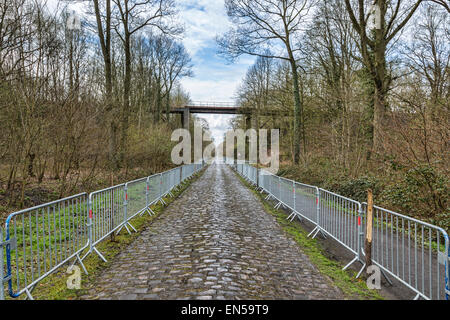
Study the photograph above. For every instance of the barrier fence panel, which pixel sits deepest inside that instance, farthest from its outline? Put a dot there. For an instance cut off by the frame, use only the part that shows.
(340, 218)
(154, 192)
(255, 175)
(136, 197)
(306, 201)
(412, 251)
(107, 212)
(287, 193)
(275, 184)
(45, 237)
(165, 178)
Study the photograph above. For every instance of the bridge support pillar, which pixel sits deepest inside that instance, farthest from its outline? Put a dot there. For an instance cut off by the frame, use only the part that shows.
(248, 122)
(185, 118)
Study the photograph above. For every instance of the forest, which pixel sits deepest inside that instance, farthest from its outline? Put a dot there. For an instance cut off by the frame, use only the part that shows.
(365, 83)
(85, 102)
(367, 87)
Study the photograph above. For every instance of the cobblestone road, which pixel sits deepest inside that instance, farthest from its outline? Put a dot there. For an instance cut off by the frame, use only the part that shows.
(214, 242)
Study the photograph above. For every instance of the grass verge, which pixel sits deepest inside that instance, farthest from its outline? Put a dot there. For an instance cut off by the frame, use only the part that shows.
(54, 286)
(346, 280)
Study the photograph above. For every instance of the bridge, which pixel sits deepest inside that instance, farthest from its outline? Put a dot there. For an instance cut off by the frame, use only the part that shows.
(200, 107)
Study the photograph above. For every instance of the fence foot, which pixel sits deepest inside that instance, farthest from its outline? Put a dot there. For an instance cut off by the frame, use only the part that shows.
(386, 277)
(355, 259)
(316, 231)
(162, 201)
(28, 292)
(277, 205)
(360, 271)
(268, 197)
(131, 226)
(77, 258)
(298, 216)
(289, 216)
(417, 297)
(99, 254)
(149, 211)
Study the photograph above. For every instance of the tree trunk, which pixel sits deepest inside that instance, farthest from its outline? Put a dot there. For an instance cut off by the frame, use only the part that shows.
(297, 112)
(168, 105)
(126, 98)
(380, 92)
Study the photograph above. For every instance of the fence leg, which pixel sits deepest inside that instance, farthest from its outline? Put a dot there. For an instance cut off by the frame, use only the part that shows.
(289, 216)
(296, 215)
(100, 255)
(77, 258)
(386, 277)
(361, 270)
(28, 293)
(350, 263)
(149, 211)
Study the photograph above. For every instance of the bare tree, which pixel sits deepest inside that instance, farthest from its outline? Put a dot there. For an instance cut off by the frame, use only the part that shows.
(177, 66)
(443, 3)
(103, 21)
(132, 16)
(429, 53)
(264, 24)
(390, 18)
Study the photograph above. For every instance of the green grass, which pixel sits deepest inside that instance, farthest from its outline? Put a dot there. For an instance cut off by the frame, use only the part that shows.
(351, 287)
(54, 286)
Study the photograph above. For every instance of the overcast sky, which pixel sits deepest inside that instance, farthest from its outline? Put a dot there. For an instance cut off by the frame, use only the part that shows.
(214, 79)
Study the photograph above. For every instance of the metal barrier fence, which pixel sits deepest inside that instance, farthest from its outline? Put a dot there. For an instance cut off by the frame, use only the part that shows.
(41, 239)
(45, 237)
(410, 250)
(414, 252)
(2, 266)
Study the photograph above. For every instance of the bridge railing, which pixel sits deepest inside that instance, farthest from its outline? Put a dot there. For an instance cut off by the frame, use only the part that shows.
(41, 239)
(414, 252)
(211, 104)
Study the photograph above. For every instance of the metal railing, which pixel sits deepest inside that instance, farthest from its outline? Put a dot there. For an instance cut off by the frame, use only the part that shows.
(2, 266)
(410, 250)
(41, 239)
(414, 252)
(212, 104)
(46, 237)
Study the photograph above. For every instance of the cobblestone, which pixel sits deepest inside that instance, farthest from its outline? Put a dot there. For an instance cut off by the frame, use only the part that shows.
(214, 242)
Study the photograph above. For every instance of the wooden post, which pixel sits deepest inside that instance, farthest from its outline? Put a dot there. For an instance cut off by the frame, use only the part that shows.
(369, 224)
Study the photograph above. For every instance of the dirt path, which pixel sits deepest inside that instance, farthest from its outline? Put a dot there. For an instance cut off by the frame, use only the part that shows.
(214, 242)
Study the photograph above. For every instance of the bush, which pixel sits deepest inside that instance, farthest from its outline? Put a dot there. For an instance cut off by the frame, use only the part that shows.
(423, 192)
(356, 189)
